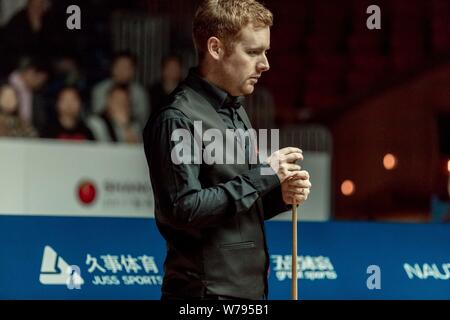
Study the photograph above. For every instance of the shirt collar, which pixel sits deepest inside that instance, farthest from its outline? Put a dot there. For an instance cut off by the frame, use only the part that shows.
(216, 96)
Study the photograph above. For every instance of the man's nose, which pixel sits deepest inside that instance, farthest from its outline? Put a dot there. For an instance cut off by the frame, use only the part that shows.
(263, 65)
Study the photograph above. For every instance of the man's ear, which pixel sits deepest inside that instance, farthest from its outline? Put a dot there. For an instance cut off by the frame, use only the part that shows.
(215, 48)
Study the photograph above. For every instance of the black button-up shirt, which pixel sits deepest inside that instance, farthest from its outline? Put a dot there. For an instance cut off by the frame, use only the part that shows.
(179, 184)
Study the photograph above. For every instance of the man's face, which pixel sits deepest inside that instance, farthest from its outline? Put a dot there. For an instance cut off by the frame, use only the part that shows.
(123, 70)
(172, 71)
(39, 6)
(35, 79)
(247, 61)
(118, 102)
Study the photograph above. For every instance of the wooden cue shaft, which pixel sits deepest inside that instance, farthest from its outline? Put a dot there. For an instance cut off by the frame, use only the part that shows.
(294, 253)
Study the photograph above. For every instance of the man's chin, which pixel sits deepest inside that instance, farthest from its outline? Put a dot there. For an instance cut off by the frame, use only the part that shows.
(248, 90)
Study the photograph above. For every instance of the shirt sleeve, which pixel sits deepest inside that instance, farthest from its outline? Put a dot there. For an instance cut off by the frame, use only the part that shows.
(273, 203)
(182, 200)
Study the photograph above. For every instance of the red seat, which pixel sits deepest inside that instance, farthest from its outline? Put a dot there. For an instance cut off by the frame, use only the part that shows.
(367, 42)
(440, 26)
(317, 100)
(333, 63)
(369, 63)
(317, 43)
(329, 17)
(405, 60)
(323, 80)
(331, 9)
(440, 7)
(407, 40)
(411, 9)
(359, 82)
(441, 43)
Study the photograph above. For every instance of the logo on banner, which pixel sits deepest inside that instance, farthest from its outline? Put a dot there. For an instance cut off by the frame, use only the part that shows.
(87, 192)
(123, 269)
(56, 271)
(427, 271)
(308, 267)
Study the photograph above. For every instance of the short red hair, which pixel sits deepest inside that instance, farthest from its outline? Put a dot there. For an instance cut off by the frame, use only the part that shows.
(224, 19)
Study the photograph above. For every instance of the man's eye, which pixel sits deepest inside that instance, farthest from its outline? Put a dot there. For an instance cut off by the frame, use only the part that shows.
(253, 53)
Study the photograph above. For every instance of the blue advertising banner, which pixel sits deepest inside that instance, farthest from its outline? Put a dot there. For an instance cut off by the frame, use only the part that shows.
(118, 258)
(121, 258)
(354, 260)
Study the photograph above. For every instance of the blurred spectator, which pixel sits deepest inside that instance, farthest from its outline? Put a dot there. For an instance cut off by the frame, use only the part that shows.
(66, 73)
(29, 78)
(69, 124)
(27, 33)
(123, 73)
(116, 123)
(10, 123)
(171, 75)
(9, 9)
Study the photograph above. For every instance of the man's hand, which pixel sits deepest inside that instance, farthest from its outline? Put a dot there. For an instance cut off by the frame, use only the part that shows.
(296, 188)
(283, 162)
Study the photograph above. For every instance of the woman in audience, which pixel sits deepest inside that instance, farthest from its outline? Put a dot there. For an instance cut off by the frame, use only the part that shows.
(11, 125)
(69, 124)
(116, 124)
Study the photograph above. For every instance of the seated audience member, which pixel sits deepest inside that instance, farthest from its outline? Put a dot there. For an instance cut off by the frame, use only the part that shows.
(27, 80)
(11, 125)
(116, 124)
(123, 73)
(69, 124)
(171, 75)
(67, 72)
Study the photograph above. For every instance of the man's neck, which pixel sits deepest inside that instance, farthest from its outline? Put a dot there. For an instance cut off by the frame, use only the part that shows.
(212, 76)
